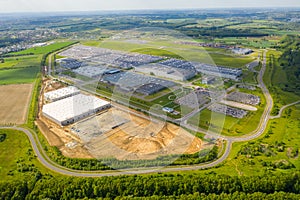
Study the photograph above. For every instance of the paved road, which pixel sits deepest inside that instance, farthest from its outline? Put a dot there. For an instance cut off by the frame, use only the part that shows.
(282, 109)
(45, 160)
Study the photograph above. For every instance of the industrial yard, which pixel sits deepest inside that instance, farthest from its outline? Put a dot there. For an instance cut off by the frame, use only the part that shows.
(74, 123)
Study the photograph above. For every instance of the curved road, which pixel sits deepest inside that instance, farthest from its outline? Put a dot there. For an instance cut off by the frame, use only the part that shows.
(282, 109)
(45, 160)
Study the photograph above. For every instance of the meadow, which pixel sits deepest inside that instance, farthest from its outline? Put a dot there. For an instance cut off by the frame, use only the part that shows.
(20, 160)
(43, 50)
(21, 61)
(276, 151)
(18, 75)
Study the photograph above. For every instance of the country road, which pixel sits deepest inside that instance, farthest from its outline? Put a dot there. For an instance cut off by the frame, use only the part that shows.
(282, 109)
(45, 160)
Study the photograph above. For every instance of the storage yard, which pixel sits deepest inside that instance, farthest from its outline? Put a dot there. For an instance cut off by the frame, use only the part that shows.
(243, 98)
(194, 99)
(112, 57)
(15, 100)
(227, 110)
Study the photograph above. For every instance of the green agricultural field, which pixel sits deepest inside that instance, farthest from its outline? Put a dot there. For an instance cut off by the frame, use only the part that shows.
(18, 75)
(45, 49)
(21, 61)
(17, 160)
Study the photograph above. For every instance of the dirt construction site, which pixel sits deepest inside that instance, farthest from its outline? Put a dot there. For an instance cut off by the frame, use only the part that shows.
(130, 137)
(125, 135)
(15, 100)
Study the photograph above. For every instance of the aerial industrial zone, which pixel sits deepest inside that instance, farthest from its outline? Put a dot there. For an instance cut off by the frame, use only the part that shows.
(72, 110)
(150, 104)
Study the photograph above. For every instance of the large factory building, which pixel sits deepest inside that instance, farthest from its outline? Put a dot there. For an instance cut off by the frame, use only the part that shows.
(74, 108)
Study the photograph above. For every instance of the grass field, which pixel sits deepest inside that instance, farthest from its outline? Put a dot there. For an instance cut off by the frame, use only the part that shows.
(274, 77)
(17, 160)
(283, 130)
(18, 75)
(14, 100)
(21, 61)
(45, 49)
(265, 42)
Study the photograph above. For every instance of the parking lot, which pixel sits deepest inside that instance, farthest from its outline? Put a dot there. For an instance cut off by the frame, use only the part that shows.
(227, 110)
(194, 99)
(243, 98)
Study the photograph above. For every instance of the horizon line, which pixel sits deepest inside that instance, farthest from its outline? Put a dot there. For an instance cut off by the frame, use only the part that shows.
(146, 9)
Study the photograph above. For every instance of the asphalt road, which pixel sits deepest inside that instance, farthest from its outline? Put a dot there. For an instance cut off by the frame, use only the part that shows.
(282, 109)
(45, 160)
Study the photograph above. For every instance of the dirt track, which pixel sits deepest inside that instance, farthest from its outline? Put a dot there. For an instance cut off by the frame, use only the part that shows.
(15, 100)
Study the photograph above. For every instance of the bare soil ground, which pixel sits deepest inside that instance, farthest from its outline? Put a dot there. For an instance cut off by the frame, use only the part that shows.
(15, 100)
(143, 139)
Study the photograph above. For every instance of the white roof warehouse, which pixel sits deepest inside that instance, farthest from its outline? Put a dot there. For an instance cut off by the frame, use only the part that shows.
(74, 108)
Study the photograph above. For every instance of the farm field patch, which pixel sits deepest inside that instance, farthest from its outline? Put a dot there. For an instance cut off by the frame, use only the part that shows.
(14, 103)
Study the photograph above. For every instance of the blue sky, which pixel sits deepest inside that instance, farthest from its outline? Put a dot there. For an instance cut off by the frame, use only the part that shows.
(92, 5)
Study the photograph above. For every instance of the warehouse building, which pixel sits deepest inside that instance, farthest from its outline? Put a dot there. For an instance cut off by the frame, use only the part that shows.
(61, 94)
(74, 108)
(224, 72)
(165, 71)
(242, 51)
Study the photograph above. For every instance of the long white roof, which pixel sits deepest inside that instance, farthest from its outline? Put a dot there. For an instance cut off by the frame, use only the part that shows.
(63, 92)
(73, 106)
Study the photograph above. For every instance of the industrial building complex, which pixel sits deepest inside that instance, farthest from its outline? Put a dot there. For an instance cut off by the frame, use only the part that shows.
(166, 71)
(73, 108)
(105, 61)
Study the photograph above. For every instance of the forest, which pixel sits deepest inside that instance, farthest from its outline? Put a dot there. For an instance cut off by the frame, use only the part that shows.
(156, 186)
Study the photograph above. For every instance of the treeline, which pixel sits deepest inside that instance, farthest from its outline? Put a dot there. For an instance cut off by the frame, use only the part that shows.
(222, 32)
(290, 62)
(112, 163)
(158, 186)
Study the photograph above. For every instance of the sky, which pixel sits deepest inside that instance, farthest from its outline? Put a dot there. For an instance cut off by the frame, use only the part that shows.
(7, 6)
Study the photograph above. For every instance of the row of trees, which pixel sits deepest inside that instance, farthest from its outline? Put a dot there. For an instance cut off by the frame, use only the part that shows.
(187, 186)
